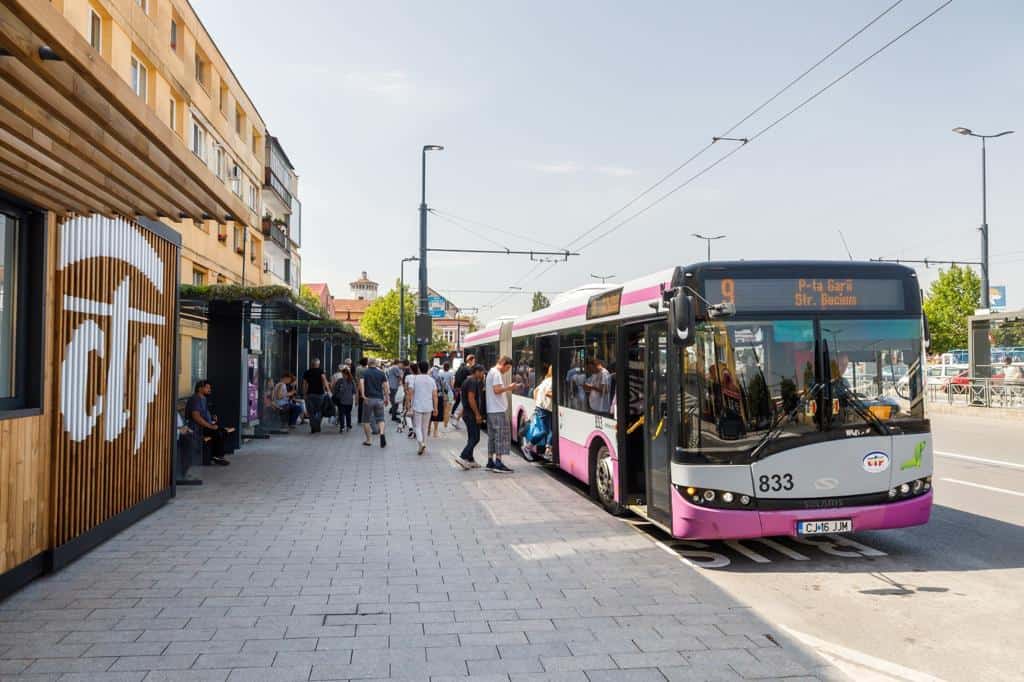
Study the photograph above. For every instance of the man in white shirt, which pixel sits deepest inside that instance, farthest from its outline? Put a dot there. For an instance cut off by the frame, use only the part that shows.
(499, 429)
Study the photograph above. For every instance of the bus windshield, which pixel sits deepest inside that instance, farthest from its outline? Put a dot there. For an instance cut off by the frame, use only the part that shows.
(763, 386)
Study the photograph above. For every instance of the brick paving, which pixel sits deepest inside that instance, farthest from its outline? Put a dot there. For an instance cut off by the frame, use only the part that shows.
(315, 558)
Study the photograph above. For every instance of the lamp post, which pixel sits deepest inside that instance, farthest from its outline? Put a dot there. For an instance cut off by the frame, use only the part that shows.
(604, 278)
(421, 346)
(985, 299)
(401, 307)
(709, 240)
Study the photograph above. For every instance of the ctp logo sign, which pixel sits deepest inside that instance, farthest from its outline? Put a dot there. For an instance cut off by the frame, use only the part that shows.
(112, 288)
(875, 462)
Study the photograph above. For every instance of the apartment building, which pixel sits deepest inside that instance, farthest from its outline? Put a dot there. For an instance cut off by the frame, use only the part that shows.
(131, 160)
(282, 219)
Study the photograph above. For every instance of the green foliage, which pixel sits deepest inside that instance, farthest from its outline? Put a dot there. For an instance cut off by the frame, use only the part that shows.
(311, 302)
(540, 301)
(261, 294)
(380, 321)
(1008, 333)
(951, 299)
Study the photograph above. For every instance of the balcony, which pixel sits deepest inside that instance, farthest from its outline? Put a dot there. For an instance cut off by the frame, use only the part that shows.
(277, 230)
(274, 183)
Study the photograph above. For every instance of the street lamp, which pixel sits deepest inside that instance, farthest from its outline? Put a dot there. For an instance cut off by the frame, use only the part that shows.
(401, 307)
(604, 278)
(985, 299)
(421, 346)
(709, 240)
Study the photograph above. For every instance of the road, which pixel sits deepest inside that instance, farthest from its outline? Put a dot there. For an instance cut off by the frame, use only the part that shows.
(944, 601)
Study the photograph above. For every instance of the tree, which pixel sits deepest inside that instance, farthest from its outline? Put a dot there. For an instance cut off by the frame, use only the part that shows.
(311, 302)
(951, 299)
(540, 301)
(380, 321)
(380, 324)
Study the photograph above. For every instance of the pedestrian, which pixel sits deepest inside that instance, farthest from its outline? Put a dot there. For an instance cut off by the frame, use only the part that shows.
(438, 416)
(499, 430)
(283, 397)
(1012, 374)
(447, 383)
(360, 370)
(424, 404)
(598, 387)
(461, 373)
(414, 370)
(198, 412)
(472, 414)
(542, 398)
(395, 375)
(314, 388)
(344, 390)
(373, 388)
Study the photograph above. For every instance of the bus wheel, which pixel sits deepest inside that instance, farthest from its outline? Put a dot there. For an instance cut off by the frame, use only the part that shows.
(602, 485)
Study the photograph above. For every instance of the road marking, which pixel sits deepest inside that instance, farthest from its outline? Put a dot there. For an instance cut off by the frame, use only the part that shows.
(997, 462)
(983, 487)
(853, 662)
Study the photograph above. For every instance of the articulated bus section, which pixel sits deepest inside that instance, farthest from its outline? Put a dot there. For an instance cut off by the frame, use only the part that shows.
(760, 403)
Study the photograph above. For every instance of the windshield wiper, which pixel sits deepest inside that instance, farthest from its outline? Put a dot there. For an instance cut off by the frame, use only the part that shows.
(774, 431)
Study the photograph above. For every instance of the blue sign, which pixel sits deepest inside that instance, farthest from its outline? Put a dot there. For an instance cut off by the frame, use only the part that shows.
(436, 314)
(997, 297)
(437, 305)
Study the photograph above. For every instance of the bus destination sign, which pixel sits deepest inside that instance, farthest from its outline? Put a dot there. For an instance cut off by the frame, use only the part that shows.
(817, 294)
(604, 304)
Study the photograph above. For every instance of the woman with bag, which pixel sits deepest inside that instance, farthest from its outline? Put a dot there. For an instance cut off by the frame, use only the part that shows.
(539, 432)
(344, 392)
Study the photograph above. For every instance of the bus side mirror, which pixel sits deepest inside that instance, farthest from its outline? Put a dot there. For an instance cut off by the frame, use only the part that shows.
(682, 319)
(927, 332)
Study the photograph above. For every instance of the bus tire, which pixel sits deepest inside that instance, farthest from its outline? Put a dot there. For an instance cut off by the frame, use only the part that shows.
(602, 481)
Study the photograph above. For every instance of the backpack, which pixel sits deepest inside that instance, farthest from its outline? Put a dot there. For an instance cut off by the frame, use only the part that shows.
(460, 375)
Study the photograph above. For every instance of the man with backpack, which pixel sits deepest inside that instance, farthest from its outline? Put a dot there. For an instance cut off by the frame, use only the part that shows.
(314, 388)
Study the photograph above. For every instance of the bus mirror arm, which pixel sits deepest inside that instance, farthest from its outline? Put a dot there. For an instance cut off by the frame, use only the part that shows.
(681, 317)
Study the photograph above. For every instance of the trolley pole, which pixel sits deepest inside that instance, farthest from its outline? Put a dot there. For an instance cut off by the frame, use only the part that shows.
(401, 308)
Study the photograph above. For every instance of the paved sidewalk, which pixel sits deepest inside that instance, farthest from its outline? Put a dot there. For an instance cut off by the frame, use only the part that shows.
(313, 557)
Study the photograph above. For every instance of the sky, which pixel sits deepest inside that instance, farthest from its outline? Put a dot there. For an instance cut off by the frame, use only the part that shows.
(555, 114)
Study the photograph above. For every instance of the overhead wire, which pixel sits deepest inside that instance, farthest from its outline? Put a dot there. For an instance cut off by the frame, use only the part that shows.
(803, 103)
(700, 152)
(452, 216)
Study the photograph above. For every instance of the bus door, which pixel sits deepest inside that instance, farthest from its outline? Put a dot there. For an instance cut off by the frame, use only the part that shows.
(546, 355)
(658, 424)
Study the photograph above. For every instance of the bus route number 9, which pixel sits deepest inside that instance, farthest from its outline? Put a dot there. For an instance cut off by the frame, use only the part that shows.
(729, 290)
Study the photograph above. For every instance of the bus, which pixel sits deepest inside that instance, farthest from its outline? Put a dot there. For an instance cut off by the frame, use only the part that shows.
(730, 400)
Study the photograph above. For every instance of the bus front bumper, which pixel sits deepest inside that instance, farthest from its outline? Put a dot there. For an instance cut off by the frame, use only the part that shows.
(701, 523)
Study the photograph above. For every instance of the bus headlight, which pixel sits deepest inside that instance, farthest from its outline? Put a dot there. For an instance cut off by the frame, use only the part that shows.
(918, 484)
(727, 497)
(904, 488)
(744, 499)
(715, 499)
(709, 495)
(892, 492)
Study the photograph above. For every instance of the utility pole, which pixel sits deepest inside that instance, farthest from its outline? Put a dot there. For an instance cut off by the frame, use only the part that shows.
(604, 278)
(986, 301)
(422, 308)
(401, 307)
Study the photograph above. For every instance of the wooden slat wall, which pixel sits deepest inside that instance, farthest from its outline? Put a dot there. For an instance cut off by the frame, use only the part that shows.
(100, 473)
(25, 460)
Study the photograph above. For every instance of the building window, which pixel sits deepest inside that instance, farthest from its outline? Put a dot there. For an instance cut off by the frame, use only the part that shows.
(95, 31)
(140, 79)
(253, 197)
(172, 113)
(198, 141)
(174, 35)
(219, 160)
(236, 180)
(144, 4)
(202, 70)
(198, 277)
(239, 121)
(21, 309)
(223, 98)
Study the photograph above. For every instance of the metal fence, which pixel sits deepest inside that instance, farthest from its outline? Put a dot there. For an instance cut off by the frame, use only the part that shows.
(979, 393)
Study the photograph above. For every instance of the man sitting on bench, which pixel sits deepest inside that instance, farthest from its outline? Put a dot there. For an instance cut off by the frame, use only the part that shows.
(199, 414)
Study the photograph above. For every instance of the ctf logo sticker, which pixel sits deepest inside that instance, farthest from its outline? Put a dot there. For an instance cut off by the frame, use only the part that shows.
(875, 462)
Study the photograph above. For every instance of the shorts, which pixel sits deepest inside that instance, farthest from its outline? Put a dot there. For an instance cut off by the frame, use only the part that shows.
(499, 434)
(373, 410)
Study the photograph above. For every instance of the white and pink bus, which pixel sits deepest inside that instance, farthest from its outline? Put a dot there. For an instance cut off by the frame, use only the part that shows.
(736, 399)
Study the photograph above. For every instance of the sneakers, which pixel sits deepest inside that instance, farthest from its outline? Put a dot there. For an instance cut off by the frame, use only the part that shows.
(220, 461)
(383, 440)
(528, 453)
(423, 448)
(490, 465)
(499, 467)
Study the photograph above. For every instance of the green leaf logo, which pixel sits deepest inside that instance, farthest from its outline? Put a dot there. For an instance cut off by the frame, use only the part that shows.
(915, 461)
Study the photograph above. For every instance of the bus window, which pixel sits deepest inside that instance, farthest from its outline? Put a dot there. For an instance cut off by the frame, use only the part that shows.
(522, 364)
(571, 360)
(600, 368)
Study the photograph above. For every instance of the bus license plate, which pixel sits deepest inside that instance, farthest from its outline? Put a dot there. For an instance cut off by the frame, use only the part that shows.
(819, 527)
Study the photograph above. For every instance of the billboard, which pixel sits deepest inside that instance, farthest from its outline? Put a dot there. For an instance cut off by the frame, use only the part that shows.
(997, 297)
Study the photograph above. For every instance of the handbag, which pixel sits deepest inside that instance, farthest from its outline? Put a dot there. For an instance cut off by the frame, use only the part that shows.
(536, 432)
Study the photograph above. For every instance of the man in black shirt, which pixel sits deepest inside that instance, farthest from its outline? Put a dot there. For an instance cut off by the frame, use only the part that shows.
(314, 386)
(461, 374)
(472, 414)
